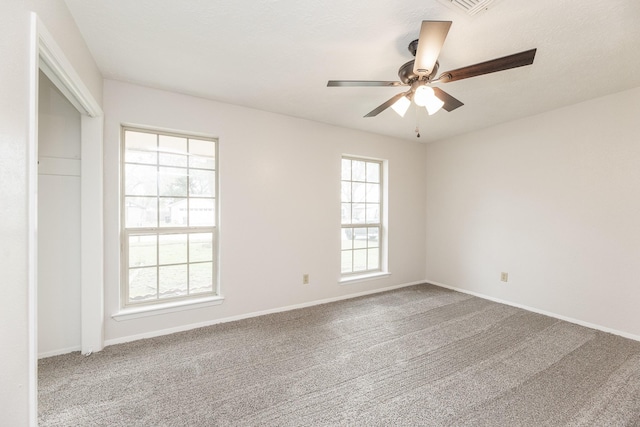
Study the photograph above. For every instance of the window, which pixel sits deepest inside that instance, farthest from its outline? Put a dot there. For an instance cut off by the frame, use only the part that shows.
(169, 216)
(361, 207)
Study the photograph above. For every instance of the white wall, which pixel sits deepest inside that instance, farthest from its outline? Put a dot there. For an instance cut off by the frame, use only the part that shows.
(554, 201)
(279, 204)
(58, 222)
(14, 167)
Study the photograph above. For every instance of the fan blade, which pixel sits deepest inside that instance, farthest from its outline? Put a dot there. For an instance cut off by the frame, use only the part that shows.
(505, 63)
(432, 36)
(450, 103)
(386, 105)
(340, 83)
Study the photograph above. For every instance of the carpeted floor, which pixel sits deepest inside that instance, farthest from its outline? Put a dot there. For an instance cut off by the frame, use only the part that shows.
(418, 356)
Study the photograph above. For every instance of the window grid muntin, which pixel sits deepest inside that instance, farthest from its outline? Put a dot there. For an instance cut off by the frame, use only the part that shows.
(351, 229)
(159, 230)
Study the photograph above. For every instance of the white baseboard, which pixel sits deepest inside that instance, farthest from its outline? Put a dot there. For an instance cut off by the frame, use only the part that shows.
(537, 310)
(58, 352)
(152, 334)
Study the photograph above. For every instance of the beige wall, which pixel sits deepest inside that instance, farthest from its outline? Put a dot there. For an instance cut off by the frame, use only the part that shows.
(279, 204)
(550, 199)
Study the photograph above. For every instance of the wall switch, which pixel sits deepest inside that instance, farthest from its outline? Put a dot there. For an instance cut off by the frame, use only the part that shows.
(305, 279)
(504, 277)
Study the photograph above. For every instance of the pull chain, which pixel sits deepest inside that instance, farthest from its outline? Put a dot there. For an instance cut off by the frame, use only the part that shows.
(417, 124)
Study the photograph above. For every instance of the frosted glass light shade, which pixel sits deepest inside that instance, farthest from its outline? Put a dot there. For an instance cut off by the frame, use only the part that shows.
(433, 105)
(401, 106)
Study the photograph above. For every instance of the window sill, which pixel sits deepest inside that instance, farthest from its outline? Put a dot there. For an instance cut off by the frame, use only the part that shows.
(363, 277)
(168, 307)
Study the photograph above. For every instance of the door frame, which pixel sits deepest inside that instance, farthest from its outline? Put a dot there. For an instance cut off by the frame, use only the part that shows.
(46, 55)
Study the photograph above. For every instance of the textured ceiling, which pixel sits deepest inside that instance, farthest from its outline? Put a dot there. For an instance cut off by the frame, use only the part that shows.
(277, 55)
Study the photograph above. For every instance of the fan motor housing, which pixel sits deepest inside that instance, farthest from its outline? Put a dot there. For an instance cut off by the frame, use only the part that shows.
(407, 76)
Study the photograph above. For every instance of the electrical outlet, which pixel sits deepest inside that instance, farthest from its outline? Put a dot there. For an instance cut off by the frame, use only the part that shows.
(305, 279)
(504, 277)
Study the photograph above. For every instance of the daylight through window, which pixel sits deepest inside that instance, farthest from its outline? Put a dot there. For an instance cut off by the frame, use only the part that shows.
(168, 216)
(361, 216)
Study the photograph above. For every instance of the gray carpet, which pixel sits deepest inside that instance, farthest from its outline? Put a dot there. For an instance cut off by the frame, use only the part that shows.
(418, 356)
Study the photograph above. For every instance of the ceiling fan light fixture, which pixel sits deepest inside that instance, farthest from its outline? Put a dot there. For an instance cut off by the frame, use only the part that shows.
(401, 106)
(420, 73)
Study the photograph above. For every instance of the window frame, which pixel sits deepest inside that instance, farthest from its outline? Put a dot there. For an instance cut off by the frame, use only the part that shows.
(381, 269)
(158, 230)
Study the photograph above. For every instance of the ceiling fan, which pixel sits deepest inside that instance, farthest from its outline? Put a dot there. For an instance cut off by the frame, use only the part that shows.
(419, 74)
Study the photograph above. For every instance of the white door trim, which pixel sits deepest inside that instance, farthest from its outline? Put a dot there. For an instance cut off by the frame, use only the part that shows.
(46, 55)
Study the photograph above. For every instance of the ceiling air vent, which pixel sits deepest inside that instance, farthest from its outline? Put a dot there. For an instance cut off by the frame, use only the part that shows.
(469, 7)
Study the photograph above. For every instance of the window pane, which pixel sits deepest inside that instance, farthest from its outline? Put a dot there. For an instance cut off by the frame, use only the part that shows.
(373, 258)
(347, 238)
(172, 181)
(173, 150)
(142, 284)
(173, 281)
(346, 262)
(359, 260)
(167, 159)
(373, 213)
(140, 180)
(200, 147)
(346, 213)
(138, 156)
(358, 193)
(201, 212)
(202, 154)
(172, 144)
(173, 211)
(358, 213)
(140, 212)
(373, 172)
(373, 237)
(143, 251)
(172, 248)
(170, 212)
(202, 162)
(358, 170)
(359, 238)
(140, 147)
(346, 170)
(202, 183)
(373, 193)
(140, 140)
(346, 192)
(201, 277)
(200, 247)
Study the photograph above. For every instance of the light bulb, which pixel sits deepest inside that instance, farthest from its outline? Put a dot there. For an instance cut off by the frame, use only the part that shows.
(422, 95)
(401, 106)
